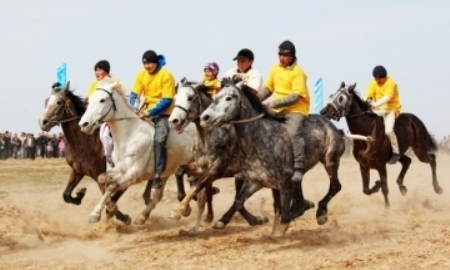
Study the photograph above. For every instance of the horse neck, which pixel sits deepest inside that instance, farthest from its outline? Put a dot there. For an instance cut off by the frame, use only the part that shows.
(71, 130)
(203, 104)
(246, 112)
(121, 124)
(358, 121)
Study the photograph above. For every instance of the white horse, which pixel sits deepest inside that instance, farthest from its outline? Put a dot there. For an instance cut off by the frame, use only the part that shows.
(133, 146)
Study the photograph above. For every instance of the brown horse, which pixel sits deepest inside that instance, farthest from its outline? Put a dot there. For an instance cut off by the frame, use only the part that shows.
(84, 152)
(374, 154)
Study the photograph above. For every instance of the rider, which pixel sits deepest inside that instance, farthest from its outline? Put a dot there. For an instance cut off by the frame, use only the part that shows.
(102, 69)
(158, 86)
(287, 82)
(210, 80)
(250, 76)
(383, 96)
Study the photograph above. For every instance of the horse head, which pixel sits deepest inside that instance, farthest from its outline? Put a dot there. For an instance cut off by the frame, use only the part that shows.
(57, 106)
(188, 105)
(340, 102)
(225, 107)
(101, 107)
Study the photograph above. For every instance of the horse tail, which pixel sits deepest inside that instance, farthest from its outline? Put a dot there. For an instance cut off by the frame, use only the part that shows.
(423, 137)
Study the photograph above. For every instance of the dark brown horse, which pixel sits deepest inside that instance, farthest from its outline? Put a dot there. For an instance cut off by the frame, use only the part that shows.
(84, 152)
(410, 131)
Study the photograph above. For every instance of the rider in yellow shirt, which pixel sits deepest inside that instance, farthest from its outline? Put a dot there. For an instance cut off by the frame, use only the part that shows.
(383, 96)
(287, 82)
(210, 80)
(157, 85)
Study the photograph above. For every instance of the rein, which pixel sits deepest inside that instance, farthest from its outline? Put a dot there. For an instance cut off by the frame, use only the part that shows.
(248, 120)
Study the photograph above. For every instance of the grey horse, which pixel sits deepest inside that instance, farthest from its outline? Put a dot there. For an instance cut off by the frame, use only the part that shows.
(266, 154)
(215, 151)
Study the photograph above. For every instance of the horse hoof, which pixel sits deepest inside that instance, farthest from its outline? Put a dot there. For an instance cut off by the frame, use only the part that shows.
(438, 189)
(403, 190)
(174, 216)
(215, 190)
(208, 219)
(187, 212)
(93, 219)
(140, 220)
(219, 225)
(309, 205)
(322, 220)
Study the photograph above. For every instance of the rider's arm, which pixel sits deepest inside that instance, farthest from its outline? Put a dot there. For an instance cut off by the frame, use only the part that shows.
(371, 90)
(389, 92)
(138, 88)
(299, 89)
(254, 80)
(168, 93)
(267, 90)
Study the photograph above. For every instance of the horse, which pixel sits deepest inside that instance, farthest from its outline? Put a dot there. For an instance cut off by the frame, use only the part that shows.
(266, 154)
(84, 152)
(375, 153)
(215, 150)
(133, 146)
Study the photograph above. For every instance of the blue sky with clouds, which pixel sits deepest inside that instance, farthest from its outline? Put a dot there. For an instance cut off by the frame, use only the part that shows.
(336, 40)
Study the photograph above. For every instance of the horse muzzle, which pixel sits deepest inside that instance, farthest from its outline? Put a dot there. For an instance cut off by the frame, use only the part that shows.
(45, 125)
(87, 127)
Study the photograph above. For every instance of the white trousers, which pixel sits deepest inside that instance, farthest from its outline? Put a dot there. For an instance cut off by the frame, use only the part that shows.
(389, 122)
(107, 142)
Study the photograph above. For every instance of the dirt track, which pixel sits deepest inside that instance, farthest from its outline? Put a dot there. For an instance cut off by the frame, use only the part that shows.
(39, 231)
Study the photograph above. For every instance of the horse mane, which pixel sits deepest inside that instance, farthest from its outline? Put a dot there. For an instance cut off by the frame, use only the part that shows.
(200, 87)
(258, 106)
(76, 101)
(362, 103)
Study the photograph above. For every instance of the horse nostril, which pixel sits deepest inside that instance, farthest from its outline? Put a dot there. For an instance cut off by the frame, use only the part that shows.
(175, 121)
(44, 122)
(205, 117)
(85, 124)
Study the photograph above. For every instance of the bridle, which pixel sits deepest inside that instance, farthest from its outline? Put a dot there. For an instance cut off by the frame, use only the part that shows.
(341, 102)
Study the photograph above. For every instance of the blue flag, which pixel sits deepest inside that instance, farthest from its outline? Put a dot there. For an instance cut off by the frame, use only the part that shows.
(318, 96)
(61, 74)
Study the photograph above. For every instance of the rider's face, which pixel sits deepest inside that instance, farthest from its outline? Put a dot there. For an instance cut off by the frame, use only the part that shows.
(380, 81)
(243, 64)
(285, 60)
(150, 67)
(100, 74)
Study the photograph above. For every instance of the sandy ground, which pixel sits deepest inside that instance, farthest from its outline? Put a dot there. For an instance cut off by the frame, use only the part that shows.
(39, 231)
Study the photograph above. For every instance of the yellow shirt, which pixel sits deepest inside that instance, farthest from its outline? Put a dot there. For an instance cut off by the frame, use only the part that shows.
(213, 86)
(94, 86)
(388, 88)
(283, 81)
(154, 87)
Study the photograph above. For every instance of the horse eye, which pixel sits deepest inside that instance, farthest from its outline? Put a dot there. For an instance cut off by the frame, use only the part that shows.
(189, 98)
(228, 99)
(102, 100)
(59, 103)
(341, 99)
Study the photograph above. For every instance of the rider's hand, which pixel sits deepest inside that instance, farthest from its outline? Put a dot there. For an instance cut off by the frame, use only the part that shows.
(269, 105)
(142, 114)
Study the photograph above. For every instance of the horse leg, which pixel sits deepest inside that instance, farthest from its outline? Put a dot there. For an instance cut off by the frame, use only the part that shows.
(285, 190)
(201, 202)
(278, 228)
(157, 194)
(365, 175)
(74, 180)
(247, 190)
(181, 192)
(384, 185)
(209, 193)
(405, 161)
(113, 210)
(334, 188)
(95, 215)
(436, 186)
(299, 203)
(249, 217)
(147, 192)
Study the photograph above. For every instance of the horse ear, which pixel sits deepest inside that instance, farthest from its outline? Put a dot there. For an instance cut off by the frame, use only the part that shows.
(67, 86)
(352, 88)
(240, 84)
(342, 84)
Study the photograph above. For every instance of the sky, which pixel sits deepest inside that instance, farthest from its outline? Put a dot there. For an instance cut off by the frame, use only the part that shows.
(336, 40)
